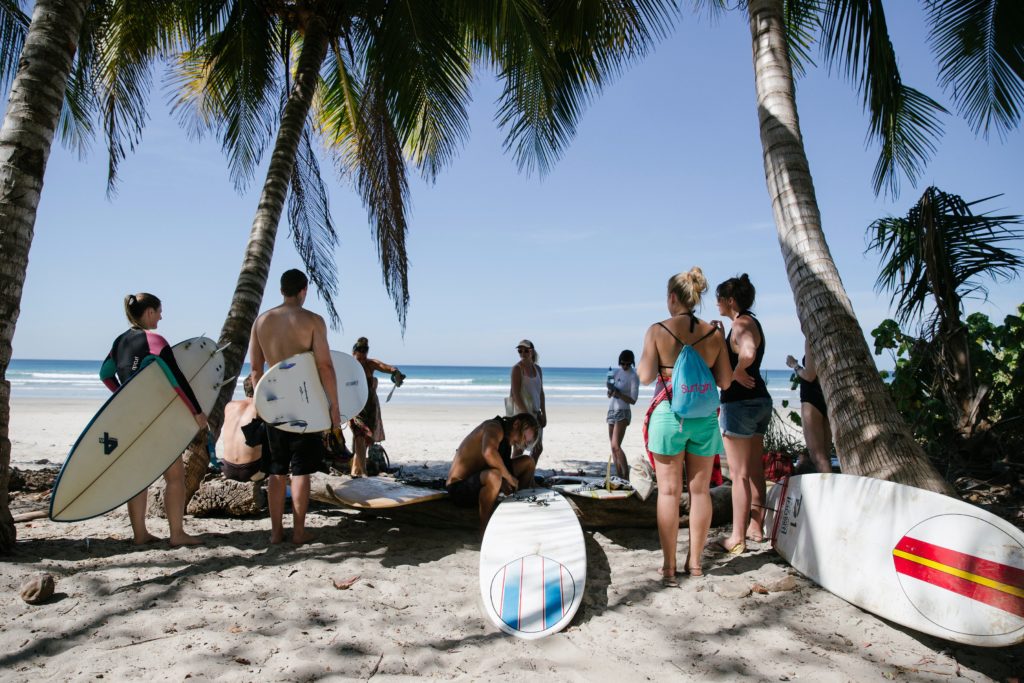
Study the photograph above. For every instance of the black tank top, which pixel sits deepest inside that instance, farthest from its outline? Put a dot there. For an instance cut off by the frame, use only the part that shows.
(504, 448)
(736, 391)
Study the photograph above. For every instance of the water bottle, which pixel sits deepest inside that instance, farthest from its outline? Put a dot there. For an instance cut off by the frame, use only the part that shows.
(610, 380)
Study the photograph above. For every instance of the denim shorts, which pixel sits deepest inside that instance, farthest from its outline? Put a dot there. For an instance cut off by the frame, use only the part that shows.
(668, 435)
(620, 416)
(746, 419)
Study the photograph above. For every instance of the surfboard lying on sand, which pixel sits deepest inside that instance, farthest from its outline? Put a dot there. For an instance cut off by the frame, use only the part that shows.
(590, 487)
(920, 559)
(376, 493)
(136, 435)
(533, 564)
(290, 397)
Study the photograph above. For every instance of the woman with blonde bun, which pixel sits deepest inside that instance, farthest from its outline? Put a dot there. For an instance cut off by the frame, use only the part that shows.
(678, 445)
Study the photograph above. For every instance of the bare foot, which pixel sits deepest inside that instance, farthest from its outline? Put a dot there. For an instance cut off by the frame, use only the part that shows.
(145, 540)
(299, 538)
(276, 537)
(185, 539)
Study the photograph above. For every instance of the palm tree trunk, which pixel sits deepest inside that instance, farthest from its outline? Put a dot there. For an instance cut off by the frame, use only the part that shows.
(33, 110)
(252, 280)
(871, 438)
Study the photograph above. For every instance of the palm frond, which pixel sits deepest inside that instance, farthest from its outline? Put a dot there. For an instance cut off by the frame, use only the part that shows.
(941, 250)
(421, 57)
(312, 230)
(338, 109)
(905, 122)
(80, 106)
(803, 22)
(554, 58)
(132, 35)
(229, 85)
(13, 28)
(382, 183)
(979, 45)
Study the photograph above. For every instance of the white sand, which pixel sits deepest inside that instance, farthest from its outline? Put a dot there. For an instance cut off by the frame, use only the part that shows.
(237, 609)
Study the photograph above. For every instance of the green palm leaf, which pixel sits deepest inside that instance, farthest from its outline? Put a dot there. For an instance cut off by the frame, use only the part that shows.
(312, 229)
(979, 45)
(421, 56)
(941, 251)
(855, 39)
(13, 27)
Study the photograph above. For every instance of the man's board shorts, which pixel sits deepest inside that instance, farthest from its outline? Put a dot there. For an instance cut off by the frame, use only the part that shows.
(615, 416)
(465, 493)
(746, 419)
(667, 434)
(250, 471)
(295, 454)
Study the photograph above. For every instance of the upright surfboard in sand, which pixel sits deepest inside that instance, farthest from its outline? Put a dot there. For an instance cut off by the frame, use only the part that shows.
(291, 398)
(136, 435)
(533, 564)
(920, 559)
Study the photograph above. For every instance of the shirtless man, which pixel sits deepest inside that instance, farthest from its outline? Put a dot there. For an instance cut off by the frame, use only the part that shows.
(242, 453)
(483, 466)
(277, 334)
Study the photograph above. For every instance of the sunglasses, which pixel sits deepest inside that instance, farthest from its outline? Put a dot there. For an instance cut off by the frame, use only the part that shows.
(361, 349)
(522, 350)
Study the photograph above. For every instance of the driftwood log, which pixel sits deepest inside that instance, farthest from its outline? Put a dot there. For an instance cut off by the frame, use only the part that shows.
(216, 496)
(220, 496)
(592, 513)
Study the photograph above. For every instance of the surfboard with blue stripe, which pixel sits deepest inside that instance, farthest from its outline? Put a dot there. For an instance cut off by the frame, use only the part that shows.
(534, 593)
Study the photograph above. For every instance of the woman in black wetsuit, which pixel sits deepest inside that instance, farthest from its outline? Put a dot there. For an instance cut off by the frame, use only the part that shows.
(130, 352)
(813, 415)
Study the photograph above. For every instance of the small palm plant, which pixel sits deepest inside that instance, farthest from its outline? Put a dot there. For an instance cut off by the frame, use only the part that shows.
(933, 258)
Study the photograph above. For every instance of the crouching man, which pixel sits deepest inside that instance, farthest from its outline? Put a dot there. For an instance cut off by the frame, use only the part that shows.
(483, 466)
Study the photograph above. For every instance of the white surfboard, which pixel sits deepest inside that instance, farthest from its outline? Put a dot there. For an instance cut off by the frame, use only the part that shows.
(927, 561)
(591, 487)
(533, 564)
(136, 435)
(291, 398)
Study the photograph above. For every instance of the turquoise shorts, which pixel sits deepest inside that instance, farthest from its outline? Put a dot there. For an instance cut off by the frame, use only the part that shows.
(668, 435)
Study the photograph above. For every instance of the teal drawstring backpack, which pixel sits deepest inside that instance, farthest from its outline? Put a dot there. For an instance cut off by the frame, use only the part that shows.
(692, 391)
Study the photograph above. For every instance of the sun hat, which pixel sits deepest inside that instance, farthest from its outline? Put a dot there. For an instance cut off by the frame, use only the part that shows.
(527, 343)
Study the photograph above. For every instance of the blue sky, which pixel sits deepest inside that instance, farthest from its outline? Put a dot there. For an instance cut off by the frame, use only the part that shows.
(665, 173)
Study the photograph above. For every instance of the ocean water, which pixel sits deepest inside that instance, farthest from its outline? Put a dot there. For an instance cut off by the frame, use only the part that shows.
(79, 379)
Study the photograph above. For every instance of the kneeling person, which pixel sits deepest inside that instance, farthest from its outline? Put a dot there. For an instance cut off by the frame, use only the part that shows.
(244, 439)
(483, 466)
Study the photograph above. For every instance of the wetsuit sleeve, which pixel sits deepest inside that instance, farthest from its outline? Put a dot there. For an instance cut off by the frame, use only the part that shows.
(159, 347)
(108, 373)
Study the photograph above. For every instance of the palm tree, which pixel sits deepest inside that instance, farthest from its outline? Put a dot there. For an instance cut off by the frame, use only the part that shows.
(935, 255)
(978, 43)
(381, 84)
(79, 60)
(35, 104)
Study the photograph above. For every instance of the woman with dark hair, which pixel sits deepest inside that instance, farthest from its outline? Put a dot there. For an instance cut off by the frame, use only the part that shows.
(131, 351)
(746, 412)
(623, 389)
(813, 415)
(683, 445)
(367, 426)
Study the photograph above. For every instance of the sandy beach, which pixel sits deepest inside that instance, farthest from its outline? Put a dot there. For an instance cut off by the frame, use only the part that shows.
(239, 609)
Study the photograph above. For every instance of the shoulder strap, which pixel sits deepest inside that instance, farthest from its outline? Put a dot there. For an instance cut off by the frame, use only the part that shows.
(704, 337)
(673, 335)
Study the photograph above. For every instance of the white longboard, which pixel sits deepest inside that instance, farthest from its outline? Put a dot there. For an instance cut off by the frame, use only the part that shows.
(533, 564)
(136, 435)
(291, 398)
(591, 487)
(920, 559)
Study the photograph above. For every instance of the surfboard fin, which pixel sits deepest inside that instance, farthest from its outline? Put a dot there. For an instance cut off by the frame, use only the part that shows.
(221, 384)
(216, 351)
